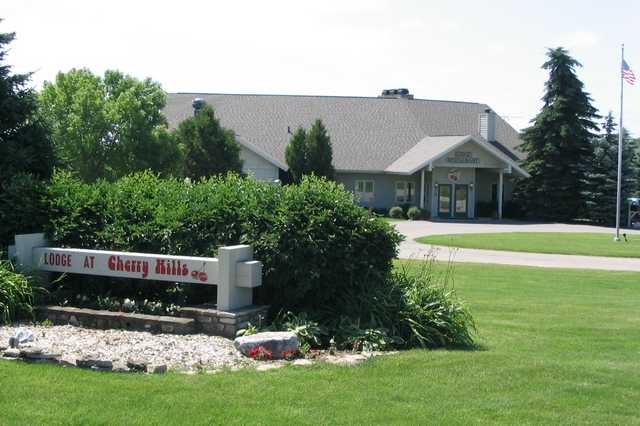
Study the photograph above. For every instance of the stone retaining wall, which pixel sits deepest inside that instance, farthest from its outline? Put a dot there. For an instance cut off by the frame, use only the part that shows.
(220, 323)
(197, 319)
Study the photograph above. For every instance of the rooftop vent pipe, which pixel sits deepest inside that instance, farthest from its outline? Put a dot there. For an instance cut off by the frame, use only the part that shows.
(197, 104)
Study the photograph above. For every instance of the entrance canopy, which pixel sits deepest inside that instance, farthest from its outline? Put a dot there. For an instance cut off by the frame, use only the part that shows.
(453, 151)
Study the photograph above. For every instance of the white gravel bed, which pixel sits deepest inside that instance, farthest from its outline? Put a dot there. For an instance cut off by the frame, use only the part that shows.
(177, 352)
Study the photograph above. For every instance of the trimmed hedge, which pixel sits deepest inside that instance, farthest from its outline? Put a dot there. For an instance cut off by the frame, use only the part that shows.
(315, 243)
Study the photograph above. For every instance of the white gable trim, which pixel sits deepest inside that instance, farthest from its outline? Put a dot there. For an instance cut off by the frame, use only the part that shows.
(259, 152)
(511, 165)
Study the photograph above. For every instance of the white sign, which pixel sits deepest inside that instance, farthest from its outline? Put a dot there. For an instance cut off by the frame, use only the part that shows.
(199, 270)
(234, 271)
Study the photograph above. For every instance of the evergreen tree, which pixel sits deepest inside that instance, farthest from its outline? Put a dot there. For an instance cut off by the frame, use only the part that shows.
(208, 148)
(320, 151)
(558, 145)
(296, 155)
(25, 146)
(603, 176)
(310, 153)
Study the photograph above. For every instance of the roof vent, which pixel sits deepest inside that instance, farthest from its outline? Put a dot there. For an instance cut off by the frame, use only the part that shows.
(197, 104)
(487, 125)
(396, 94)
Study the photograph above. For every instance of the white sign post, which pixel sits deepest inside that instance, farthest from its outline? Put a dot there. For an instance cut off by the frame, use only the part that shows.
(234, 272)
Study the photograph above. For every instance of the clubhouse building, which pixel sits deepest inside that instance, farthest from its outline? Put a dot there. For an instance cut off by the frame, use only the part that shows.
(443, 156)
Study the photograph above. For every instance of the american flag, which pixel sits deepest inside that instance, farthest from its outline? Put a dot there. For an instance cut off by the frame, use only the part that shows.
(627, 73)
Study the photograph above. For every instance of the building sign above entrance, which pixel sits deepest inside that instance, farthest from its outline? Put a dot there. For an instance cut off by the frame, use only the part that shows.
(463, 157)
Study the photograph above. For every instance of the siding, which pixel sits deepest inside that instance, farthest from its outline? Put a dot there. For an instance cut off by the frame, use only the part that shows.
(256, 166)
(384, 192)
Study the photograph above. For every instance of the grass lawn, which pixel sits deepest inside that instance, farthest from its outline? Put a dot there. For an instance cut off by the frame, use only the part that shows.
(558, 347)
(588, 244)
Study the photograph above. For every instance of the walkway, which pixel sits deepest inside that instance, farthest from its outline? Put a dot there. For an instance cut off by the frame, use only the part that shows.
(410, 249)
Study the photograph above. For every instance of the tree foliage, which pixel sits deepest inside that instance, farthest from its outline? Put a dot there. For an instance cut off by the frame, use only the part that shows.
(310, 153)
(24, 143)
(296, 155)
(107, 127)
(209, 149)
(558, 144)
(603, 174)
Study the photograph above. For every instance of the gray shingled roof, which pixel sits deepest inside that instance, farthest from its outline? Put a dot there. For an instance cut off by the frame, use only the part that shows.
(368, 134)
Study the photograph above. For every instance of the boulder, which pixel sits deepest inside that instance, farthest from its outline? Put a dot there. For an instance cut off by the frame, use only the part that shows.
(276, 342)
(94, 364)
(137, 366)
(12, 353)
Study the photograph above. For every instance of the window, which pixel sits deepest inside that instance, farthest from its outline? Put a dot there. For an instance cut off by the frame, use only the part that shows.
(404, 192)
(364, 190)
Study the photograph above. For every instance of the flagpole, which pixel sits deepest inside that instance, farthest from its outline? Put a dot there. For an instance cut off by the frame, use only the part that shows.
(620, 131)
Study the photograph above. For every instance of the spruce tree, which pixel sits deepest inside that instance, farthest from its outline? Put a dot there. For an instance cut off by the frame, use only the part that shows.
(558, 145)
(208, 148)
(296, 155)
(310, 153)
(320, 151)
(25, 146)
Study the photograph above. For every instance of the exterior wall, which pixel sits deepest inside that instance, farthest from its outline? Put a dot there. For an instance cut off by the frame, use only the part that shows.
(257, 166)
(467, 177)
(485, 178)
(384, 192)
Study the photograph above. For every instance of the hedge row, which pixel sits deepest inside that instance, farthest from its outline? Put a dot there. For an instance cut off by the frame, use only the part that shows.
(316, 245)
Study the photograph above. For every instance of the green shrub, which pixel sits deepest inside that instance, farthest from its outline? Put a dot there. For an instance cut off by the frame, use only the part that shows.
(414, 213)
(314, 242)
(309, 332)
(432, 315)
(22, 207)
(396, 212)
(412, 309)
(16, 294)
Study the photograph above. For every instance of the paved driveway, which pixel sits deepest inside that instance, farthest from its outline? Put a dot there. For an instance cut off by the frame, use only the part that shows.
(410, 249)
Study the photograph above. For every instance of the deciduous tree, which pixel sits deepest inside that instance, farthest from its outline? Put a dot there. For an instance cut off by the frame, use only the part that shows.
(107, 127)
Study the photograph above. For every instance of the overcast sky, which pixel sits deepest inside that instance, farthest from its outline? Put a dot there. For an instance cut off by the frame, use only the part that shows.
(479, 51)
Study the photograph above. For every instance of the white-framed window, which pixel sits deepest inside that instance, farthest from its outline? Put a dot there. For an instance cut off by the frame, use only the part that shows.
(405, 192)
(364, 190)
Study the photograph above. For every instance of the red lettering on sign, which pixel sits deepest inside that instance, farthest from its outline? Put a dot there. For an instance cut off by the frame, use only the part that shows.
(115, 263)
(173, 267)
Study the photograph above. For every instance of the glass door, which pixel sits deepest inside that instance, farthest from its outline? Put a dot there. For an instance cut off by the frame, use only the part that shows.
(461, 201)
(444, 200)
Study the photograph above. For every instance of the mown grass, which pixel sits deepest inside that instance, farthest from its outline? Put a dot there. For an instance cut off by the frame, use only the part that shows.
(557, 347)
(587, 244)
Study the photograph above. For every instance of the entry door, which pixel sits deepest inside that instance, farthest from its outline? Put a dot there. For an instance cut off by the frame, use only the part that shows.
(461, 201)
(444, 200)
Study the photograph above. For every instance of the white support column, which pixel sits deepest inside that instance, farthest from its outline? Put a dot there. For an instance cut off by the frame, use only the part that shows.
(231, 296)
(25, 243)
(500, 192)
(422, 189)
